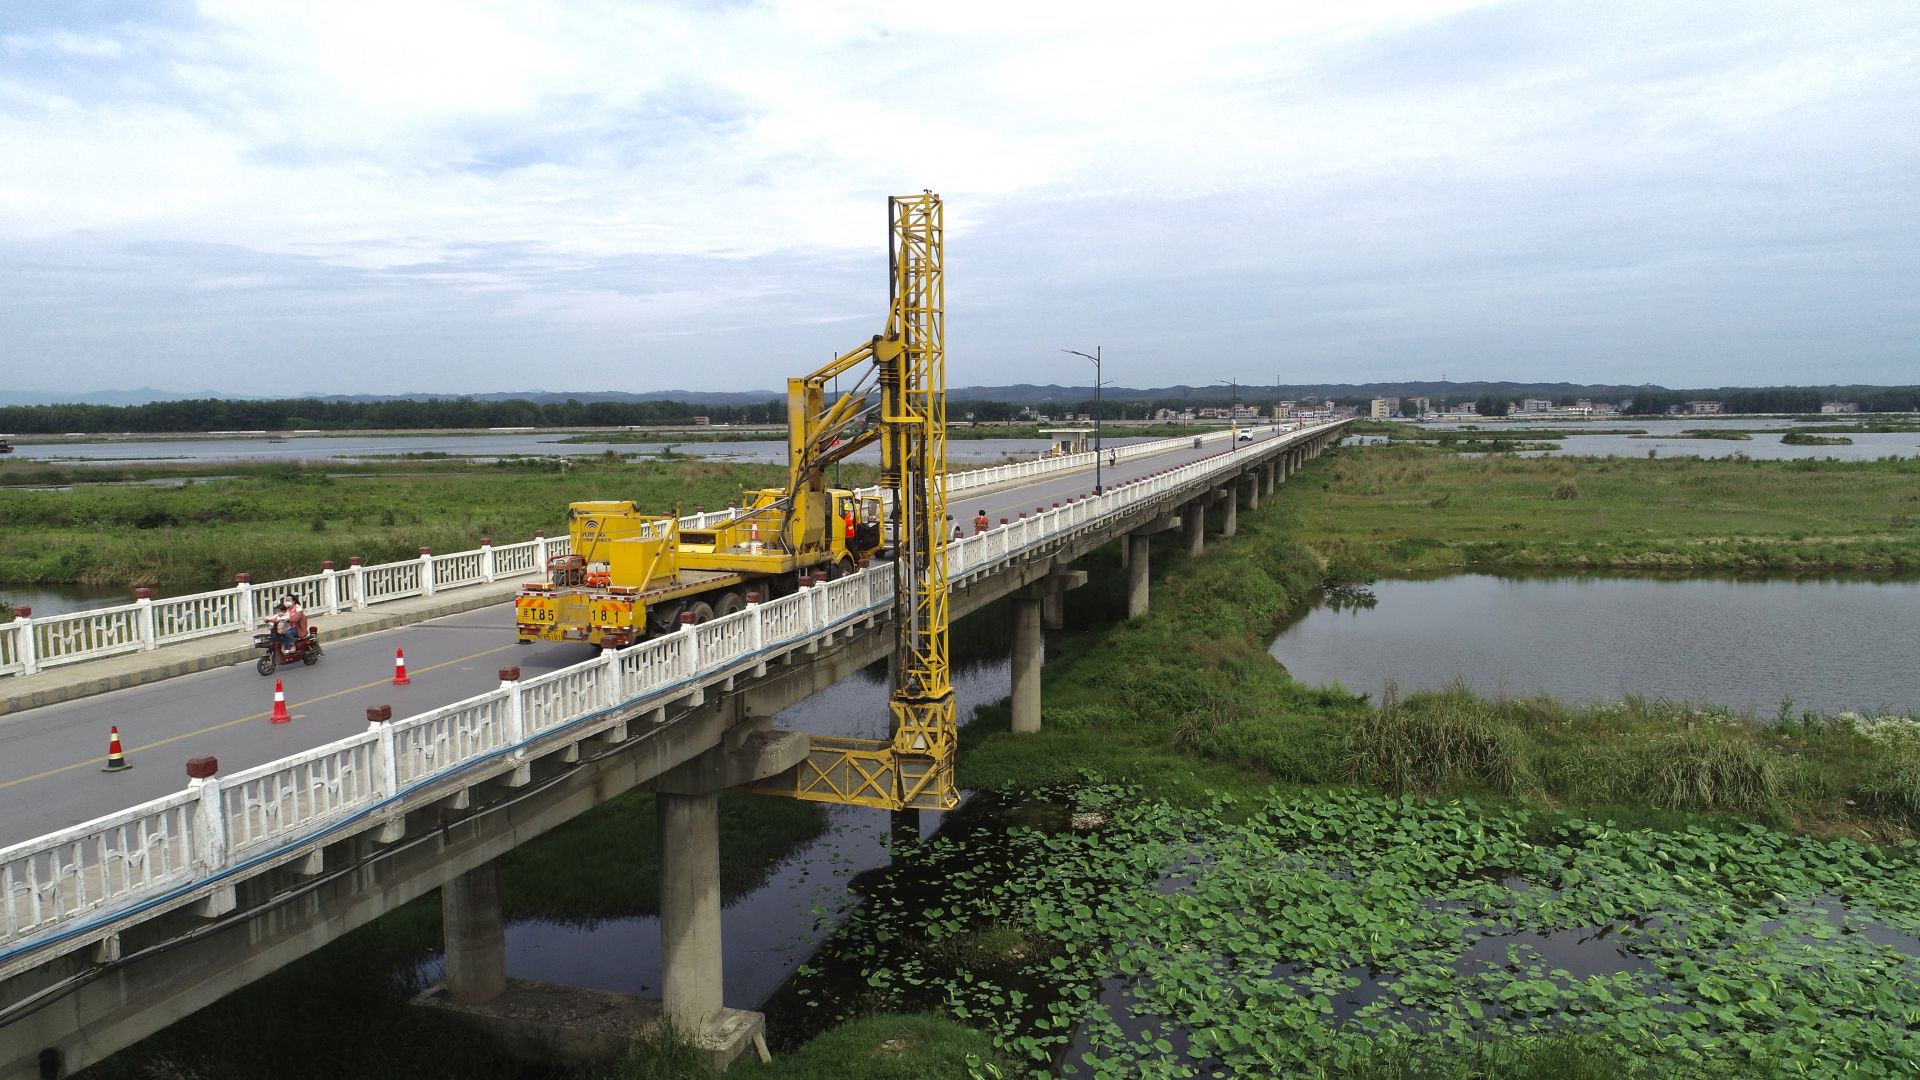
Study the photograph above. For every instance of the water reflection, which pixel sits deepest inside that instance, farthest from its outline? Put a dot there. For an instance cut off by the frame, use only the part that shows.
(769, 931)
(1745, 644)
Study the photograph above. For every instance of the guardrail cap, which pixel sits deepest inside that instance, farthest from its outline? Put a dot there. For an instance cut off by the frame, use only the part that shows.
(199, 768)
(379, 714)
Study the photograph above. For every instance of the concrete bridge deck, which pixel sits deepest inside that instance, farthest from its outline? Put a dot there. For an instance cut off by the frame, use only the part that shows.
(83, 979)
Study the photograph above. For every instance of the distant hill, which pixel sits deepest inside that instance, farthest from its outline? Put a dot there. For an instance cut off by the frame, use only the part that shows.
(102, 397)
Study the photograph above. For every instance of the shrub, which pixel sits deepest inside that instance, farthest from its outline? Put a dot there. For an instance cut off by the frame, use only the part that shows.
(1711, 772)
(1438, 742)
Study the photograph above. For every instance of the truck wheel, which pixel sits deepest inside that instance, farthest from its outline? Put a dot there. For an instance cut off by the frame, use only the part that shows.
(845, 567)
(702, 611)
(729, 603)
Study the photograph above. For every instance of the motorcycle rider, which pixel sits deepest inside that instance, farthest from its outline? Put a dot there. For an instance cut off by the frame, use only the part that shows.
(290, 625)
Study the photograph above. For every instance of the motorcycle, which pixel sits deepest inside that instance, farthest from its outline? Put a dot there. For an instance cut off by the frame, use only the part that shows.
(305, 649)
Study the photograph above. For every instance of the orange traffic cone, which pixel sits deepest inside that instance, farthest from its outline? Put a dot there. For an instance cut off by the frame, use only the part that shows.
(400, 669)
(116, 761)
(280, 713)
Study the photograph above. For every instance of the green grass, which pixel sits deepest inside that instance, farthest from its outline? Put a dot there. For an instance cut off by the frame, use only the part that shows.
(891, 1047)
(283, 521)
(1397, 509)
(1724, 434)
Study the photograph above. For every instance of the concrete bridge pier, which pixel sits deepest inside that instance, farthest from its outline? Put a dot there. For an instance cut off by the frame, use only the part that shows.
(1252, 482)
(476, 935)
(690, 960)
(1229, 498)
(1029, 645)
(1053, 611)
(1026, 665)
(1140, 542)
(1194, 517)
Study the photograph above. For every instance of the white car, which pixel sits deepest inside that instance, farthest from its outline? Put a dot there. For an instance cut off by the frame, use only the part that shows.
(1246, 434)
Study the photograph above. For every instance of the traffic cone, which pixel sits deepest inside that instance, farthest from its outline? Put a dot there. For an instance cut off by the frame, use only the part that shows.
(400, 669)
(280, 713)
(116, 761)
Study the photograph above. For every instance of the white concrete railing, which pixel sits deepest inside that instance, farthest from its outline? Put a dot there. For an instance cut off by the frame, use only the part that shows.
(29, 644)
(70, 887)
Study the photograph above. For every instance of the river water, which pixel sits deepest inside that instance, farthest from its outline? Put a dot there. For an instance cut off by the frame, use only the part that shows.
(320, 448)
(770, 931)
(1829, 645)
(1663, 438)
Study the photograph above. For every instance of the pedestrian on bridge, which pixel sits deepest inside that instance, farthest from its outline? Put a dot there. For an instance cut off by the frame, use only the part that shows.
(980, 522)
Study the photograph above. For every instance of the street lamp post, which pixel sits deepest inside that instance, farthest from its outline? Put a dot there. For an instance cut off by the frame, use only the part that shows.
(1233, 410)
(1095, 357)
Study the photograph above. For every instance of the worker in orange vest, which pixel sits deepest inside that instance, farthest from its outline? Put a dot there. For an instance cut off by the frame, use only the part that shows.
(849, 524)
(980, 522)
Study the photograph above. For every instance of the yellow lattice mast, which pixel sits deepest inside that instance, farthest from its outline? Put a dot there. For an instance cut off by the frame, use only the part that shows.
(914, 768)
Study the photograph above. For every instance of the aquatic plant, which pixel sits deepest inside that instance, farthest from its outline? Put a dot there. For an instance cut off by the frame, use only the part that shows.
(1346, 934)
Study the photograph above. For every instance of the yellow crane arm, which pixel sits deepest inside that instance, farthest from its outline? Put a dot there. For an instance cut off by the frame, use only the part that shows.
(914, 768)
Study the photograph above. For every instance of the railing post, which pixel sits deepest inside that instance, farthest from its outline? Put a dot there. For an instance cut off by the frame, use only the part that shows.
(756, 628)
(386, 758)
(610, 659)
(426, 571)
(209, 817)
(243, 599)
(691, 650)
(356, 566)
(329, 588)
(23, 618)
(143, 617)
(486, 559)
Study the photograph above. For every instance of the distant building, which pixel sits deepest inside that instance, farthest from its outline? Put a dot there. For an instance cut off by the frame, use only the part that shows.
(1606, 408)
(1531, 405)
(1703, 408)
(1421, 406)
(702, 421)
(1384, 408)
(1839, 406)
(1284, 409)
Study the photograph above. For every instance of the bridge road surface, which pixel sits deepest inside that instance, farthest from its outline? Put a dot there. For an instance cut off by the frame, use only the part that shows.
(51, 757)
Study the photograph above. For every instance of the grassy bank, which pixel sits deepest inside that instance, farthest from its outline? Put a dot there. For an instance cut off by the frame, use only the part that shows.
(284, 520)
(1394, 509)
(1187, 701)
(1244, 874)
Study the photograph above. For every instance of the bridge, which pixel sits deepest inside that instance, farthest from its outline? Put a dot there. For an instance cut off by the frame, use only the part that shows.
(112, 928)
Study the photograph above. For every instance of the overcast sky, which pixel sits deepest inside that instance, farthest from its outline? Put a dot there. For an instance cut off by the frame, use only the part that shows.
(258, 197)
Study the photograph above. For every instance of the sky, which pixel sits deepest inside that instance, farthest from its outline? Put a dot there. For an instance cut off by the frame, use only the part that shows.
(264, 199)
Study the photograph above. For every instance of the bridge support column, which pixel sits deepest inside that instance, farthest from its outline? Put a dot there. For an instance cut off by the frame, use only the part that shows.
(1194, 516)
(1253, 491)
(1053, 611)
(1026, 665)
(476, 935)
(1139, 545)
(1230, 520)
(690, 961)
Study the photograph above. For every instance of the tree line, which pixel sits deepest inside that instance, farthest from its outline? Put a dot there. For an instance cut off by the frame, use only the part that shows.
(305, 414)
(311, 414)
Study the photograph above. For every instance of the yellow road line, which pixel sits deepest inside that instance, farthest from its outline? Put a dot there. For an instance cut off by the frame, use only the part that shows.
(244, 719)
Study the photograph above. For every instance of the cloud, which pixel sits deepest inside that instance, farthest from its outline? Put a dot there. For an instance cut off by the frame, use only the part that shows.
(471, 190)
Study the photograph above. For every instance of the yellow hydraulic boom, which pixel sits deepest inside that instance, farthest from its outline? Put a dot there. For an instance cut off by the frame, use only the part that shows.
(914, 768)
